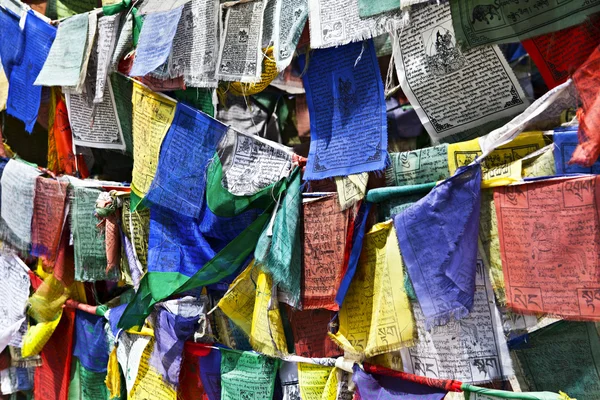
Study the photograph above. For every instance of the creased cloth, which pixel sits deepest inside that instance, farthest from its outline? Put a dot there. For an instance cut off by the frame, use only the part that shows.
(438, 240)
(278, 248)
(200, 376)
(48, 217)
(91, 346)
(587, 81)
(346, 102)
(23, 97)
(190, 144)
(88, 240)
(382, 387)
(18, 190)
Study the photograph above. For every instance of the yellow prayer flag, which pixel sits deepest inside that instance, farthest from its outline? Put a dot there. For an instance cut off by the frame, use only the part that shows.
(250, 304)
(376, 316)
(502, 166)
(152, 117)
(113, 377)
(313, 380)
(38, 335)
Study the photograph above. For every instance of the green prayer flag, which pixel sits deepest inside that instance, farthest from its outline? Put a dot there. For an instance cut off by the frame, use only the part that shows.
(198, 98)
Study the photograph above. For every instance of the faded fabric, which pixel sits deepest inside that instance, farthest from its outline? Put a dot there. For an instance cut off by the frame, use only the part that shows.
(200, 377)
(381, 387)
(442, 267)
(344, 90)
(23, 97)
(18, 190)
(171, 332)
(310, 328)
(48, 217)
(91, 346)
(88, 239)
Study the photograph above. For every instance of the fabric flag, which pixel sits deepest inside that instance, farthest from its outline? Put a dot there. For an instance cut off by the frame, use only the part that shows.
(198, 98)
(200, 377)
(278, 248)
(149, 384)
(344, 90)
(246, 375)
(90, 347)
(3, 88)
(381, 387)
(61, 129)
(48, 217)
(587, 79)
(88, 240)
(14, 293)
(52, 378)
(152, 117)
(438, 240)
(376, 318)
(23, 97)
(18, 189)
(86, 384)
(223, 213)
(325, 238)
(65, 58)
(558, 54)
(357, 244)
(565, 143)
(556, 354)
(12, 41)
(370, 387)
(313, 380)
(310, 329)
(155, 41)
(170, 333)
(250, 305)
(188, 147)
(137, 229)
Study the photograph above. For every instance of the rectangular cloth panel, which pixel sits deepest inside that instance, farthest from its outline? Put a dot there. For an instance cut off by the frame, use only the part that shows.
(49, 205)
(246, 375)
(438, 241)
(52, 378)
(344, 92)
(472, 349)
(188, 147)
(558, 54)
(418, 166)
(13, 41)
(563, 356)
(325, 242)
(451, 88)
(479, 24)
(375, 317)
(18, 190)
(152, 116)
(14, 293)
(565, 143)
(88, 239)
(156, 40)
(23, 97)
(549, 242)
(502, 166)
(91, 346)
(63, 64)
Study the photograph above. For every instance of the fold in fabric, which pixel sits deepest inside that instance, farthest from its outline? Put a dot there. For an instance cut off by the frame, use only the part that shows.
(384, 387)
(438, 240)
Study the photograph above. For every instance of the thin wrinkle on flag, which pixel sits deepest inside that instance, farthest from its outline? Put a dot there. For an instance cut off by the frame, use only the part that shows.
(189, 146)
(346, 102)
(438, 241)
